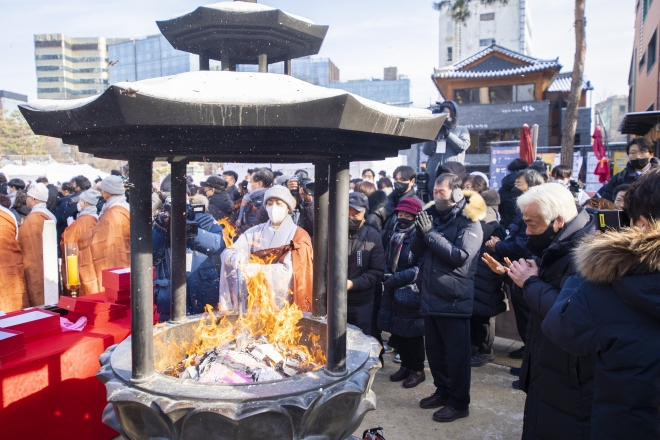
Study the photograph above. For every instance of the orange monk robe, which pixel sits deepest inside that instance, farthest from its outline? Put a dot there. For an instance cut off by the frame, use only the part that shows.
(71, 235)
(30, 237)
(106, 246)
(13, 295)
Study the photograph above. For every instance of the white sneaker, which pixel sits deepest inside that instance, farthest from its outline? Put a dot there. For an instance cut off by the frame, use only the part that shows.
(397, 359)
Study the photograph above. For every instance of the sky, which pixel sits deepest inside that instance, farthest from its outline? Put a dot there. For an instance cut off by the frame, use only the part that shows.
(364, 37)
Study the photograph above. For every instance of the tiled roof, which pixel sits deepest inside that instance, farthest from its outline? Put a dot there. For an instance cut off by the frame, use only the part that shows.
(533, 65)
(562, 83)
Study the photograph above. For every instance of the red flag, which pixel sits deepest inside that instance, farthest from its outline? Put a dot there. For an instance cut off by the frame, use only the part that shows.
(603, 167)
(526, 147)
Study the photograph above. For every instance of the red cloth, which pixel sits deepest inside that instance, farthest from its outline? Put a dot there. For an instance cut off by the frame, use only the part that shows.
(603, 168)
(52, 393)
(526, 147)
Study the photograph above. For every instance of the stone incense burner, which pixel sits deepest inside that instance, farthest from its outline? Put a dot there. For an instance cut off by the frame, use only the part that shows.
(314, 405)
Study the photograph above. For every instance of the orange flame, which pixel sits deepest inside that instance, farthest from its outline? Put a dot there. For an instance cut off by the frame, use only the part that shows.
(263, 318)
(228, 231)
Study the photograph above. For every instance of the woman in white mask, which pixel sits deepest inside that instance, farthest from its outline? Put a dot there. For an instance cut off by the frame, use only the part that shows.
(279, 248)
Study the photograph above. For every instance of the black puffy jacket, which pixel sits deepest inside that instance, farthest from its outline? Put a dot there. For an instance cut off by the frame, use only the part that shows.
(488, 294)
(614, 313)
(220, 205)
(366, 260)
(559, 385)
(508, 208)
(393, 316)
(515, 244)
(448, 253)
(377, 212)
(390, 219)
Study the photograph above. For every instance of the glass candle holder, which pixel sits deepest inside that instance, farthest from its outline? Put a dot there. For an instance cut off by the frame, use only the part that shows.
(71, 273)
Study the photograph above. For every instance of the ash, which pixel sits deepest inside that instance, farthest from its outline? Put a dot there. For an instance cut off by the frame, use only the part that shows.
(244, 360)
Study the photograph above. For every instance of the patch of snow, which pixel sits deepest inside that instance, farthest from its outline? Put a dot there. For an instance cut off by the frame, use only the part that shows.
(55, 172)
(250, 7)
(45, 105)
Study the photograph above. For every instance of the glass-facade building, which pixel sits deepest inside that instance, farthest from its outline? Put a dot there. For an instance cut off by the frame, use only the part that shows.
(318, 71)
(145, 58)
(9, 102)
(395, 92)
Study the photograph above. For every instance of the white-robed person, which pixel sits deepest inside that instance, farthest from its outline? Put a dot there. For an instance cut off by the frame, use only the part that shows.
(278, 247)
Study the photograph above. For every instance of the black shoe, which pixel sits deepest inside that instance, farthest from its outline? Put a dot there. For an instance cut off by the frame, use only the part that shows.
(515, 371)
(449, 414)
(414, 379)
(400, 375)
(433, 401)
(517, 354)
(480, 359)
(516, 384)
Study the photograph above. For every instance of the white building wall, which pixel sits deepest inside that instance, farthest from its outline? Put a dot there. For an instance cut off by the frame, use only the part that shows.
(510, 26)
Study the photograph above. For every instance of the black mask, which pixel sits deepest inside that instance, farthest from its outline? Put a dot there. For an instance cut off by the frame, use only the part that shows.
(404, 223)
(353, 225)
(639, 164)
(400, 188)
(516, 192)
(538, 243)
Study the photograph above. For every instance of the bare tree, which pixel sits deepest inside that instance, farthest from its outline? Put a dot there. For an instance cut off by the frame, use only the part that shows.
(570, 120)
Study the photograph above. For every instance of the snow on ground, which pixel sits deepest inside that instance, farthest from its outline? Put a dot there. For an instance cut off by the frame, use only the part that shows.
(55, 172)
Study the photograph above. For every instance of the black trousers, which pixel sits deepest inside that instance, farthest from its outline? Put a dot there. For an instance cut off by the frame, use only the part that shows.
(411, 351)
(520, 310)
(448, 352)
(360, 316)
(482, 333)
(375, 331)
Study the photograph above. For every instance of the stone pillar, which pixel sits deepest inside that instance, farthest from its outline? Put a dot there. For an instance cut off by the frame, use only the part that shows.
(142, 350)
(263, 63)
(204, 63)
(178, 243)
(287, 67)
(319, 296)
(227, 64)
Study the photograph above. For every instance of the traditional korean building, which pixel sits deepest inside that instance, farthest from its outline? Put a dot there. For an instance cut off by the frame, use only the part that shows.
(498, 90)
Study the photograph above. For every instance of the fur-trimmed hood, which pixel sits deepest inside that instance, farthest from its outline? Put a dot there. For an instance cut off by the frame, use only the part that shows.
(603, 258)
(475, 207)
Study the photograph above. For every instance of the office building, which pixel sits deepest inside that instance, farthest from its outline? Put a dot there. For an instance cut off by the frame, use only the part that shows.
(149, 57)
(509, 26)
(395, 91)
(315, 70)
(9, 102)
(609, 115)
(70, 68)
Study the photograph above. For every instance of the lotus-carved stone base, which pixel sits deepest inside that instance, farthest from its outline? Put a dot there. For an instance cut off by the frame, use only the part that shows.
(310, 406)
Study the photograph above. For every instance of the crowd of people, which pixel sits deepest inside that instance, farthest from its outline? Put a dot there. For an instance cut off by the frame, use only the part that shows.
(434, 276)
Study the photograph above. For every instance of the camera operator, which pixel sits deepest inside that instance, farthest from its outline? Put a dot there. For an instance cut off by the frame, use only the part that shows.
(220, 205)
(562, 174)
(612, 311)
(205, 242)
(301, 188)
(451, 143)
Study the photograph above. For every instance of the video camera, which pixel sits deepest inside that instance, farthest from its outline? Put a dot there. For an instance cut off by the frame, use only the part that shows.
(422, 182)
(304, 183)
(611, 219)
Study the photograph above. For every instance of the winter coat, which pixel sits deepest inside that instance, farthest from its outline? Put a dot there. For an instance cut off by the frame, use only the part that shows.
(390, 219)
(559, 386)
(303, 216)
(252, 211)
(447, 254)
(202, 282)
(613, 312)
(627, 176)
(377, 213)
(67, 207)
(13, 295)
(489, 298)
(20, 213)
(366, 260)
(508, 208)
(220, 205)
(514, 245)
(51, 204)
(394, 317)
(458, 141)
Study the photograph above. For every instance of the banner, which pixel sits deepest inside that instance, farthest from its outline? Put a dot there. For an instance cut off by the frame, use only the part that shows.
(500, 157)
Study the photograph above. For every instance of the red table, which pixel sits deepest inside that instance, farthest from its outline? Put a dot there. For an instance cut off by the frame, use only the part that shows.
(52, 392)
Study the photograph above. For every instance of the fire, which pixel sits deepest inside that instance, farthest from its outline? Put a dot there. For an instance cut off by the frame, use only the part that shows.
(263, 318)
(228, 231)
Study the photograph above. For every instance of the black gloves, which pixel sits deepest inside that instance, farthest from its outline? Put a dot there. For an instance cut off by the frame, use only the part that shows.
(388, 279)
(423, 224)
(444, 131)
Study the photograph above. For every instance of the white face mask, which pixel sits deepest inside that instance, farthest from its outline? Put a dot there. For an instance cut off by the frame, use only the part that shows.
(10, 190)
(277, 213)
(80, 207)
